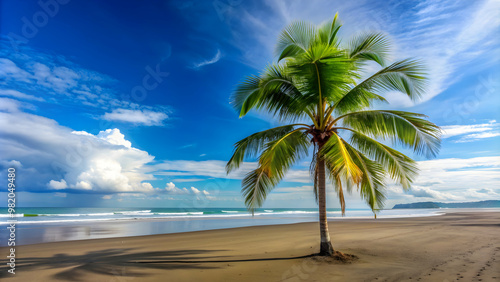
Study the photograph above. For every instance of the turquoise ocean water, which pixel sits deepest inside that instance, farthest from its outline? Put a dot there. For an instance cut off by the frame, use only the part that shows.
(40, 225)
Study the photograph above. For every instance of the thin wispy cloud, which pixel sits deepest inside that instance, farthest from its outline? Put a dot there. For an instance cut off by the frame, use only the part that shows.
(213, 60)
(447, 35)
(19, 95)
(477, 136)
(139, 117)
(471, 132)
(38, 77)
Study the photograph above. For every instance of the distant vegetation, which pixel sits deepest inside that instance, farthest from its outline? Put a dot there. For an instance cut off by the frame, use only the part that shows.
(437, 205)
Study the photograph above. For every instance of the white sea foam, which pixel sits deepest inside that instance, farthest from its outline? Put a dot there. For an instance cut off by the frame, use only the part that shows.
(144, 212)
(178, 213)
(13, 215)
(148, 215)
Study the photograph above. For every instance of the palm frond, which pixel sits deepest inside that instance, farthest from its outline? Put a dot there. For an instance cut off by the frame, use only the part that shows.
(316, 77)
(255, 187)
(369, 46)
(295, 39)
(372, 185)
(405, 128)
(400, 167)
(327, 32)
(276, 159)
(340, 193)
(338, 159)
(323, 72)
(274, 91)
(406, 76)
(253, 144)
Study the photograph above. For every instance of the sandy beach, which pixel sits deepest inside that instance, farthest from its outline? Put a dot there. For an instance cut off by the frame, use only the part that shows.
(459, 246)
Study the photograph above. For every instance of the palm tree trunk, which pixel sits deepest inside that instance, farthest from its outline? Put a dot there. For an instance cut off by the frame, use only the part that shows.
(326, 248)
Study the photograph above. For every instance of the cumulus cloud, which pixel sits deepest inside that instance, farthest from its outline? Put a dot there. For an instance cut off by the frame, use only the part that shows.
(114, 136)
(51, 157)
(53, 184)
(141, 117)
(56, 157)
(171, 189)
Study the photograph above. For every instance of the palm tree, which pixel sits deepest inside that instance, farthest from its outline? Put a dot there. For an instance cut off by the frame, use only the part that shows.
(315, 87)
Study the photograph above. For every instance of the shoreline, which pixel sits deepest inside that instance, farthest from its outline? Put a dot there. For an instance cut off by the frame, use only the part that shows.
(29, 233)
(457, 245)
(44, 232)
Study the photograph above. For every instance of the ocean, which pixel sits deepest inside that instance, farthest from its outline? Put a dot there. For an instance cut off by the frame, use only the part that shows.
(40, 225)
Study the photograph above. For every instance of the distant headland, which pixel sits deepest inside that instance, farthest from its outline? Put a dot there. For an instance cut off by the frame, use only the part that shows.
(437, 205)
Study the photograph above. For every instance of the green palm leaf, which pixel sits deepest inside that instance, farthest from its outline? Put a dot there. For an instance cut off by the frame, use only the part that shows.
(253, 144)
(405, 128)
(372, 185)
(339, 160)
(276, 159)
(406, 76)
(295, 39)
(369, 46)
(400, 167)
(317, 79)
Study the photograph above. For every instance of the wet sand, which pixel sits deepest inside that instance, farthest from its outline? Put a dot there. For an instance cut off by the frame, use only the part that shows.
(459, 246)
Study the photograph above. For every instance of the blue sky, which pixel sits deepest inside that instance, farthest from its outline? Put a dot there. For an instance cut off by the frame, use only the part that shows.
(122, 103)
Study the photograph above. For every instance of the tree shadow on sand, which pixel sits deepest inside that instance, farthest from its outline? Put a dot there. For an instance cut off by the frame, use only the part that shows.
(124, 264)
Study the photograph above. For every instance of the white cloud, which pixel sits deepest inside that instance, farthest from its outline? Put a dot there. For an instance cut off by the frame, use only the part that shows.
(142, 117)
(213, 60)
(448, 35)
(171, 189)
(19, 95)
(53, 184)
(60, 79)
(454, 130)
(114, 136)
(426, 192)
(57, 157)
(216, 169)
(56, 79)
(9, 105)
(477, 136)
(452, 179)
(10, 71)
(472, 132)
